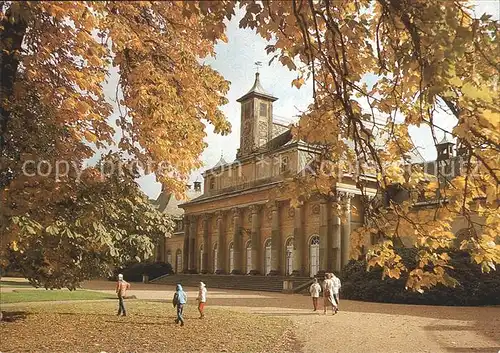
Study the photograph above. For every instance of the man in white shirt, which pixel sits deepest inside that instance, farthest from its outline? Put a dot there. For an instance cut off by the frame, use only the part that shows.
(336, 290)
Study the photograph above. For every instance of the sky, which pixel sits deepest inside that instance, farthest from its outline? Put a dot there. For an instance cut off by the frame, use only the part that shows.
(235, 60)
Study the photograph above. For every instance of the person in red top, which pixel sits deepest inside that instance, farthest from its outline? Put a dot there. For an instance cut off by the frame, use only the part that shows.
(121, 291)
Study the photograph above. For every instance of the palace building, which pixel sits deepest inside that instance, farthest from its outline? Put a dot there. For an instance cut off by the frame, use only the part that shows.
(231, 227)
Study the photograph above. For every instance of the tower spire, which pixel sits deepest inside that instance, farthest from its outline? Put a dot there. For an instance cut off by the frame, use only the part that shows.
(257, 65)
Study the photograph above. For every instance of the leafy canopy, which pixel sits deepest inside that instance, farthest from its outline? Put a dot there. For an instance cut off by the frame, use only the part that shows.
(64, 225)
(427, 57)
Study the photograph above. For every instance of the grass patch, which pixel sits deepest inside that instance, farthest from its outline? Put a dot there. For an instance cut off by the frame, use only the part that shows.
(19, 296)
(10, 284)
(149, 327)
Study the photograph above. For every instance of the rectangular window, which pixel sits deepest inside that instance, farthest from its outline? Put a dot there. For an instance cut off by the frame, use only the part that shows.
(263, 109)
(247, 110)
(212, 183)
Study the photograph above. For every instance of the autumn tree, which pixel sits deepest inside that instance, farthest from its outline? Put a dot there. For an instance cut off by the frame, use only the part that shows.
(106, 223)
(428, 59)
(54, 114)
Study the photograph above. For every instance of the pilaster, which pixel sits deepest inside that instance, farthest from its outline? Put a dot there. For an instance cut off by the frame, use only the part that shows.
(237, 241)
(275, 240)
(192, 245)
(206, 243)
(221, 246)
(323, 236)
(255, 236)
(346, 226)
(185, 249)
(336, 242)
(298, 243)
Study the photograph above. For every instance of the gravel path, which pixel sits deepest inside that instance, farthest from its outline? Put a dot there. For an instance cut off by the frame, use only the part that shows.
(359, 326)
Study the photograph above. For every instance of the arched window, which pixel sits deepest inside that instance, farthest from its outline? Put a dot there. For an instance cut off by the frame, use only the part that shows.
(169, 257)
(267, 258)
(231, 258)
(216, 253)
(314, 256)
(248, 249)
(201, 258)
(178, 261)
(289, 256)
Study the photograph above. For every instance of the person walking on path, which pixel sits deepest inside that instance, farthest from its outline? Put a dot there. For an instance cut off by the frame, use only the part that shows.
(329, 300)
(336, 290)
(315, 289)
(202, 299)
(121, 291)
(180, 299)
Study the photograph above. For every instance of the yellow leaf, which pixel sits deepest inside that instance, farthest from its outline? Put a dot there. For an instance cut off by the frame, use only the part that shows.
(90, 137)
(299, 81)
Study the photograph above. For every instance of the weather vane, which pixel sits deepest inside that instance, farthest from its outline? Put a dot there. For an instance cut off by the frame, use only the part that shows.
(258, 64)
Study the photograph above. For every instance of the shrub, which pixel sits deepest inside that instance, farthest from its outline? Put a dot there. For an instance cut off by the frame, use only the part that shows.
(134, 272)
(475, 288)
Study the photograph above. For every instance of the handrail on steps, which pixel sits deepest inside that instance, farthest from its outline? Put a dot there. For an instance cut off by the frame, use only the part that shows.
(301, 287)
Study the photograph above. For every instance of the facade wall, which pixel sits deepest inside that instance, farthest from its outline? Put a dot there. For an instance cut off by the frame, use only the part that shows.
(310, 226)
(286, 223)
(172, 246)
(253, 181)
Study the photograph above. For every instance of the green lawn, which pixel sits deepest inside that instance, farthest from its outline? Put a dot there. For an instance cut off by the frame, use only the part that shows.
(20, 296)
(17, 284)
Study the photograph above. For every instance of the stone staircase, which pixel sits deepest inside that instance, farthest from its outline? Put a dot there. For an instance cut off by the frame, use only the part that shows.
(240, 282)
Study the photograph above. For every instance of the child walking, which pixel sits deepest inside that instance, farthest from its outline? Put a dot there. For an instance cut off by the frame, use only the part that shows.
(315, 289)
(121, 291)
(202, 299)
(180, 299)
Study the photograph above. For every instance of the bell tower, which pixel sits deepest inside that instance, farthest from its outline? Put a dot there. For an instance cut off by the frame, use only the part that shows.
(256, 118)
(444, 148)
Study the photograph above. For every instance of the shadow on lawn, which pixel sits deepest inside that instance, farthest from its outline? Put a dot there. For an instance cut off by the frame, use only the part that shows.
(13, 316)
(151, 323)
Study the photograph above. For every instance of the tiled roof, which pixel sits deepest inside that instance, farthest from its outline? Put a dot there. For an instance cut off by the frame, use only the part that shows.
(257, 90)
(220, 163)
(169, 204)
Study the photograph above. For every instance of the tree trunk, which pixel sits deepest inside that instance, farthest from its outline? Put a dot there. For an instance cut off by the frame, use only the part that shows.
(11, 39)
(12, 32)
(1, 312)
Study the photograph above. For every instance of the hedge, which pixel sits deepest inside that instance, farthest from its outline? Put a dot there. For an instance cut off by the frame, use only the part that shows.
(134, 272)
(475, 288)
